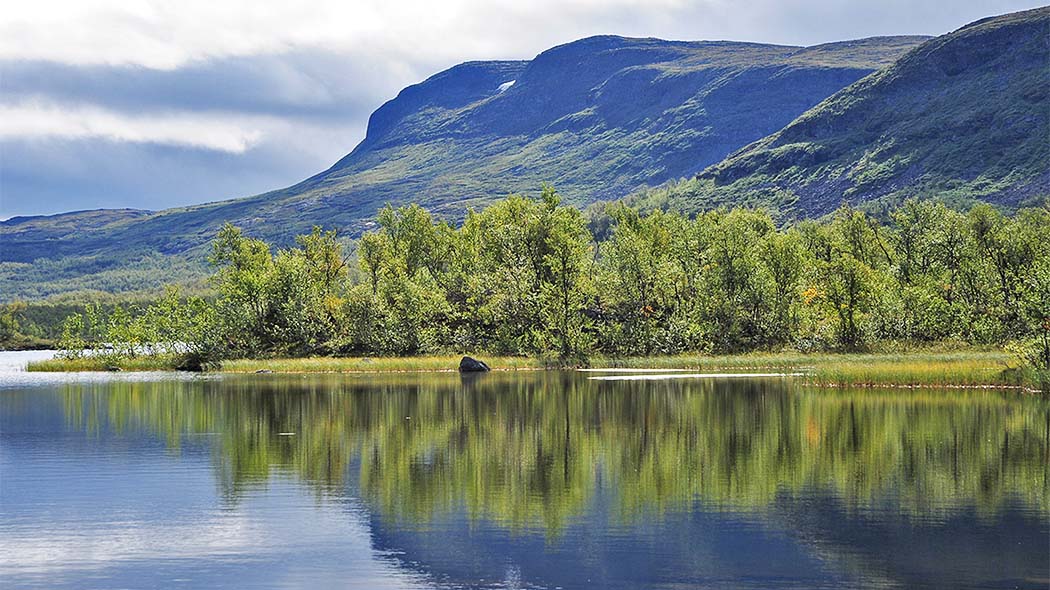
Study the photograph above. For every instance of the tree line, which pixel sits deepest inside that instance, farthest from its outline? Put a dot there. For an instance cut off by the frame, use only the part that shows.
(537, 277)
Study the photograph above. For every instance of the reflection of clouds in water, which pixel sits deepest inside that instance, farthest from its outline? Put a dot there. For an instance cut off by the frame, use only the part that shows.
(16, 360)
(41, 551)
(18, 379)
(631, 370)
(315, 545)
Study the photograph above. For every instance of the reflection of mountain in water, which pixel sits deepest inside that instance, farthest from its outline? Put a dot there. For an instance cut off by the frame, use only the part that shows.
(690, 547)
(520, 476)
(813, 542)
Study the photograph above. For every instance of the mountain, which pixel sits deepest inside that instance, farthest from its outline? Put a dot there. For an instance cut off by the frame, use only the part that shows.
(598, 118)
(965, 115)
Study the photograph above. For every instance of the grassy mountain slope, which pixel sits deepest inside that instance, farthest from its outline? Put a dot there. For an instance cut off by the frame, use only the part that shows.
(963, 116)
(599, 118)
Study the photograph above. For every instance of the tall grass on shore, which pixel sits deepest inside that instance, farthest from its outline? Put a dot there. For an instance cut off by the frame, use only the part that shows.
(916, 368)
(955, 369)
(150, 362)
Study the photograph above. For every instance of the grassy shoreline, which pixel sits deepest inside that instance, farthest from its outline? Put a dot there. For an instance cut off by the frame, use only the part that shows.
(407, 364)
(968, 367)
(158, 362)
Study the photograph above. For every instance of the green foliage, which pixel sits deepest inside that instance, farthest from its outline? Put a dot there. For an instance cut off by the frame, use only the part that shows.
(287, 303)
(9, 327)
(122, 273)
(527, 277)
(513, 279)
(179, 329)
(72, 344)
(15, 334)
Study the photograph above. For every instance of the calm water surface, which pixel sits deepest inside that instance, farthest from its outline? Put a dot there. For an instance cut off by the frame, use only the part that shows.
(535, 480)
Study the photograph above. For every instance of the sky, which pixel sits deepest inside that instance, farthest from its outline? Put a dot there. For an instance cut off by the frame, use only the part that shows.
(151, 104)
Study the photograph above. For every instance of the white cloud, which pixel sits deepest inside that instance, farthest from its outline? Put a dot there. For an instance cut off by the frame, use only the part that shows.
(165, 35)
(46, 120)
(26, 553)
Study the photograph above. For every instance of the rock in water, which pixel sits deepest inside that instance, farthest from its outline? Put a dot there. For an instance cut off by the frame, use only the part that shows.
(472, 365)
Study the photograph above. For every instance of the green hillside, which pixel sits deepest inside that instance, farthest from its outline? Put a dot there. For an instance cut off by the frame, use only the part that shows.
(964, 116)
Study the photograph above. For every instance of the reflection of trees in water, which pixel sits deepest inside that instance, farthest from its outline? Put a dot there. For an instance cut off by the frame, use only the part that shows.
(532, 450)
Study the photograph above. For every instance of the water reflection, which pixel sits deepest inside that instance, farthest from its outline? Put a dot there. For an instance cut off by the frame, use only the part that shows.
(533, 452)
(519, 480)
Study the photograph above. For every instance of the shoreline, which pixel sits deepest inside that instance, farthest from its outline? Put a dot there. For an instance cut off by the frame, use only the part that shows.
(966, 368)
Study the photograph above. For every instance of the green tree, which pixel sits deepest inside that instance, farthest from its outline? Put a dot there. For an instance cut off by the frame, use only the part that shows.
(783, 263)
(10, 329)
(847, 285)
(565, 262)
(735, 295)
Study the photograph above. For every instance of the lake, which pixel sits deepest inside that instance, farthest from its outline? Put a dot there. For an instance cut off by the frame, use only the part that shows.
(516, 480)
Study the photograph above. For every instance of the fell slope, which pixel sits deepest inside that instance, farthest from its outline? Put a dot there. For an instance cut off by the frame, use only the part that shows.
(965, 115)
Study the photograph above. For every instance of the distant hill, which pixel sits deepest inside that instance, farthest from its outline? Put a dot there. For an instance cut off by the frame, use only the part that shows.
(963, 116)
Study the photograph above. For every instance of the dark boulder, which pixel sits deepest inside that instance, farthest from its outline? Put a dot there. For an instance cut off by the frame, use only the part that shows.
(472, 365)
(192, 363)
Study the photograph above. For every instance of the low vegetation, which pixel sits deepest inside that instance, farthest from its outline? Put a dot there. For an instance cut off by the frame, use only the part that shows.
(943, 119)
(106, 362)
(963, 368)
(921, 368)
(535, 278)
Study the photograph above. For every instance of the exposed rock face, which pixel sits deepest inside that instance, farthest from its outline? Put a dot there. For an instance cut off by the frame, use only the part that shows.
(472, 365)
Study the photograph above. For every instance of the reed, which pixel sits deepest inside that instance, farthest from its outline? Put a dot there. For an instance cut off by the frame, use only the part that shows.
(157, 362)
(965, 367)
